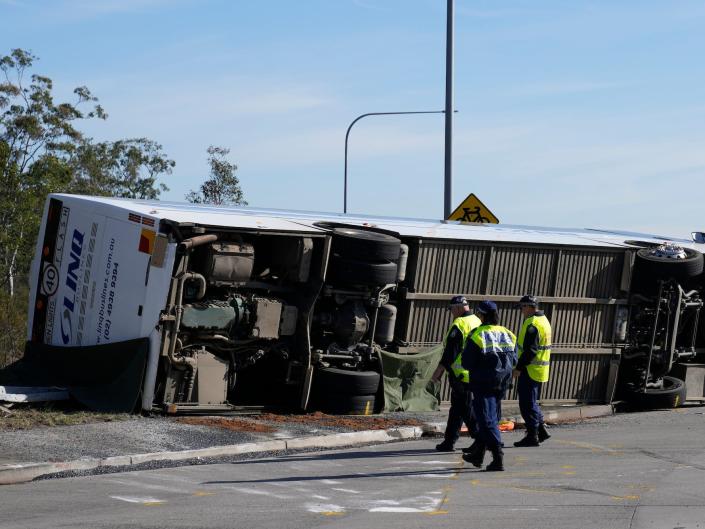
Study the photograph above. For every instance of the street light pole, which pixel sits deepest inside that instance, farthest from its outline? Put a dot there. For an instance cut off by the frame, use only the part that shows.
(358, 118)
(448, 187)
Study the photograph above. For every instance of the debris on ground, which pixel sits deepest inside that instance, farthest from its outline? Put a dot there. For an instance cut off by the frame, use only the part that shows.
(227, 423)
(339, 421)
(506, 426)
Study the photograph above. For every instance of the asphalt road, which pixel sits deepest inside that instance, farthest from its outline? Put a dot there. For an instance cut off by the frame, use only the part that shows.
(629, 471)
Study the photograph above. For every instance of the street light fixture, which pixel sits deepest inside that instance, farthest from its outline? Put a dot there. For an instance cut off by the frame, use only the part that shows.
(347, 134)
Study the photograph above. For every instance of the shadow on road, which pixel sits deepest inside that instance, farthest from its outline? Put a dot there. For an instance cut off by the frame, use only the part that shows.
(327, 456)
(364, 454)
(395, 474)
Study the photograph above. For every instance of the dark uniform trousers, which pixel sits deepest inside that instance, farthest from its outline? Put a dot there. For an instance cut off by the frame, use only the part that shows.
(487, 406)
(460, 412)
(529, 392)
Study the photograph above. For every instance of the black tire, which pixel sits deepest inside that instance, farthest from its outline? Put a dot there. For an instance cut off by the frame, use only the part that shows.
(649, 269)
(334, 380)
(364, 245)
(354, 272)
(343, 404)
(672, 395)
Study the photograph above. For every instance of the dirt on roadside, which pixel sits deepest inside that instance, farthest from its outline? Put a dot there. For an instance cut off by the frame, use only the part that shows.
(338, 421)
(228, 423)
(269, 422)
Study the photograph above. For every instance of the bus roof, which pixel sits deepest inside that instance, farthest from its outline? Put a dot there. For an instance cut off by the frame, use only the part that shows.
(306, 221)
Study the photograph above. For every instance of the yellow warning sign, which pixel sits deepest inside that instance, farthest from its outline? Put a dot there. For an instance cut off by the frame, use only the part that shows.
(473, 210)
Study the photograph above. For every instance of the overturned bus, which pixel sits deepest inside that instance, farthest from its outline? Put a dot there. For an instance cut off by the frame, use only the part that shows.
(177, 307)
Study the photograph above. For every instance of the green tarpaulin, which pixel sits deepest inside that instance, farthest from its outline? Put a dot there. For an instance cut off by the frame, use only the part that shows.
(407, 380)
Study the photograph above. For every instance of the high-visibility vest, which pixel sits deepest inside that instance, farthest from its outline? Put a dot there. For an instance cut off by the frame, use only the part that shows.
(465, 324)
(497, 347)
(494, 339)
(538, 368)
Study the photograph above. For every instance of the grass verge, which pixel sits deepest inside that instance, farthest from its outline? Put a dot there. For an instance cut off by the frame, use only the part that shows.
(24, 417)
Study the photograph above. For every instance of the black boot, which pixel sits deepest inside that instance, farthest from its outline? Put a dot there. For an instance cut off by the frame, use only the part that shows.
(477, 457)
(497, 464)
(445, 446)
(543, 433)
(470, 449)
(530, 439)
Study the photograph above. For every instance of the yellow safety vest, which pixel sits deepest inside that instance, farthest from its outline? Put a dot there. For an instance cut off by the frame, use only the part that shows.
(538, 368)
(465, 324)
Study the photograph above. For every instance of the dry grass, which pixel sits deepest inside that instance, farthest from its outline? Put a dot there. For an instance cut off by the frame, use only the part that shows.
(25, 417)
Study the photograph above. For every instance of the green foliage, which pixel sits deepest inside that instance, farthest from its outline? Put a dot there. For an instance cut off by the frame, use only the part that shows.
(13, 325)
(223, 186)
(43, 151)
(124, 168)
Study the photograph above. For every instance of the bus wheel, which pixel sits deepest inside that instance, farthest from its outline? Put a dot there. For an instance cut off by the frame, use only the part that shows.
(671, 395)
(365, 245)
(354, 272)
(664, 262)
(332, 379)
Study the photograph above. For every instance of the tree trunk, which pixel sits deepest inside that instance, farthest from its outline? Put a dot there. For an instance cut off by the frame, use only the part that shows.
(11, 273)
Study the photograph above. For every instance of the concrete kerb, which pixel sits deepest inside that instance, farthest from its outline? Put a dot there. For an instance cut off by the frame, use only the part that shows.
(21, 473)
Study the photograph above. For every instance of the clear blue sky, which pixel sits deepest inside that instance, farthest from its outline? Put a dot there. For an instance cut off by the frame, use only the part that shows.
(588, 114)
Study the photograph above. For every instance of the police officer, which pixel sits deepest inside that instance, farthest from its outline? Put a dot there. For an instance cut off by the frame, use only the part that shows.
(532, 369)
(464, 321)
(490, 355)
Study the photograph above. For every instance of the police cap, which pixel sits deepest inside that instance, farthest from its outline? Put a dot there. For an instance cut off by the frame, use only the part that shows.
(529, 301)
(487, 306)
(458, 300)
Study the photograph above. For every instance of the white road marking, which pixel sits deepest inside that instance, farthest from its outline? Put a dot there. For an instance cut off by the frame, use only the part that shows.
(417, 504)
(331, 482)
(384, 502)
(398, 509)
(167, 477)
(349, 491)
(324, 507)
(258, 492)
(132, 499)
(149, 486)
(319, 497)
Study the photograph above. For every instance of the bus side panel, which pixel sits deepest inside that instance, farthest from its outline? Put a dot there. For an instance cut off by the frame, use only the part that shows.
(130, 290)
